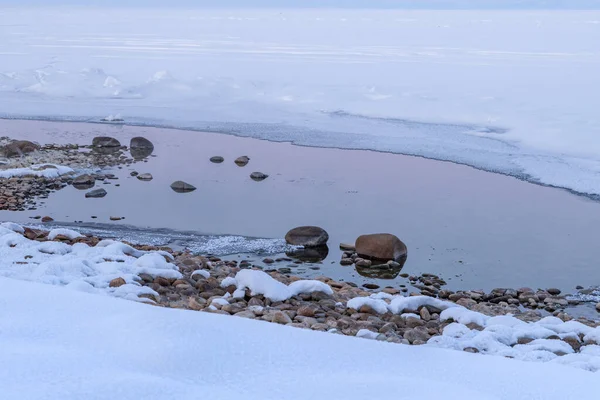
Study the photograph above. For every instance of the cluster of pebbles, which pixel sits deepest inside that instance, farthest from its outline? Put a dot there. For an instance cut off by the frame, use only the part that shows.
(24, 192)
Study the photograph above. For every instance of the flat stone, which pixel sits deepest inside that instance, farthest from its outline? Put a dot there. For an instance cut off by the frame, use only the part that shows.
(96, 193)
(145, 177)
(217, 159)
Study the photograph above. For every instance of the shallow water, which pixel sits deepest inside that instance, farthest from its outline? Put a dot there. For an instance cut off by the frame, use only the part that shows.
(475, 229)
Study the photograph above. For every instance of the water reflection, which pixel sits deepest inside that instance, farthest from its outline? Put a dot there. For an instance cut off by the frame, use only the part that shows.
(309, 254)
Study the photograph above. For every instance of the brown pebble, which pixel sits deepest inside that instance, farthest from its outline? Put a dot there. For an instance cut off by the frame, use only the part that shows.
(117, 282)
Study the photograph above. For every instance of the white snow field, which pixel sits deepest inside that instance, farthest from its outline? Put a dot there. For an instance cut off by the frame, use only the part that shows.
(507, 91)
(62, 344)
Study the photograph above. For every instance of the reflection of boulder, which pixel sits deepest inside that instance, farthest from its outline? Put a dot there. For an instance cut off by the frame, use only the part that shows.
(381, 246)
(105, 151)
(307, 236)
(379, 272)
(309, 254)
(140, 147)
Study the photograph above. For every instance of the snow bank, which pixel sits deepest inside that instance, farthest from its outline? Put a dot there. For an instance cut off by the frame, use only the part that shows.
(260, 282)
(79, 266)
(41, 170)
(81, 346)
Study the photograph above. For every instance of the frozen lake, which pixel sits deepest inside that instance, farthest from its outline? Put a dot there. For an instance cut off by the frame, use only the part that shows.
(507, 91)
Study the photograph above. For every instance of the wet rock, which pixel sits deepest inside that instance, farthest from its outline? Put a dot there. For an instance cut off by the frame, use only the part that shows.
(83, 182)
(105, 141)
(217, 159)
(242, 161)
(307, 236)
(182, 187)
(116, 218)
(145, 177)
(381, 246)
(96, 193)
(553, 291)
(47, 219)
(598, 307)
(371, 286)
(347, 247)
(140, 148)
(19, 148)
(117, 282)
(258, 176)
(360, 262)
(346, 261)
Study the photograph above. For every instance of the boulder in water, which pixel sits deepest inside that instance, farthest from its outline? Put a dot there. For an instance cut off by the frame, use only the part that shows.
(105, 141)
(307, 236)
(381, 246)
(182, 187)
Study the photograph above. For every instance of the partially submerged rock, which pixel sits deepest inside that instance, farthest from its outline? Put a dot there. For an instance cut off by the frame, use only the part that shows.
(242, 161)
(96, 193)
(140, 148)
(381, 246)
(83, 182)
(307, 236)
(182, 187)
(105, 141)
(258, 176)
(217, 159)
(145, 177)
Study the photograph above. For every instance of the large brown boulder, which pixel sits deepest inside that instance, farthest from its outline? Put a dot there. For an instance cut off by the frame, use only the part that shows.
(19, 148)
(307, 236)
(381, 246)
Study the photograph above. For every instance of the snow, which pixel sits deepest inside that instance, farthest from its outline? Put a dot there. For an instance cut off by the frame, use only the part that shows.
(260, 282)
(379, 306)
(63, 344)
(202, 273)
(40, 170)
(367, 334)
(79, 266)
(13, 227)
(473, 87)
(69, 233)
(400, 303)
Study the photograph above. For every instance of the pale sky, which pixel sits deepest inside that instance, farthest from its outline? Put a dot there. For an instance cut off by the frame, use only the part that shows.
(411, 4)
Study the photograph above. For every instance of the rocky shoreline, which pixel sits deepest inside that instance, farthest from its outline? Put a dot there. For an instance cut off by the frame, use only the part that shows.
(207, 283)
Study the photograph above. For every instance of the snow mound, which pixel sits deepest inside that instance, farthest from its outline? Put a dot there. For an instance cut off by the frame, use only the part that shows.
(379, 306)
(260, 282)
(79, 266)
(69, 233)
(100, 348)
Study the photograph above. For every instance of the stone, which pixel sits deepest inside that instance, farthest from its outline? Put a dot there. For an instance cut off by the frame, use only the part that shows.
(96, 193)
(279, 317)
(47, 219)
(140, 148)
(307, 311)
(346, 261)
(19, 148)
(241, 161)
(347, 247)
(105, 141)
(419, 334)
(598, 307)
(382, 246)
(361, 262)
(307, 236)
(245, 314)
(258, 176)
(553, 291)
(145, 177)
(424, 313)
(217, 159)
(371, 286)
(117, 282)
(116, 218)
(84, 182)
(182, 187)
(196, 304)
